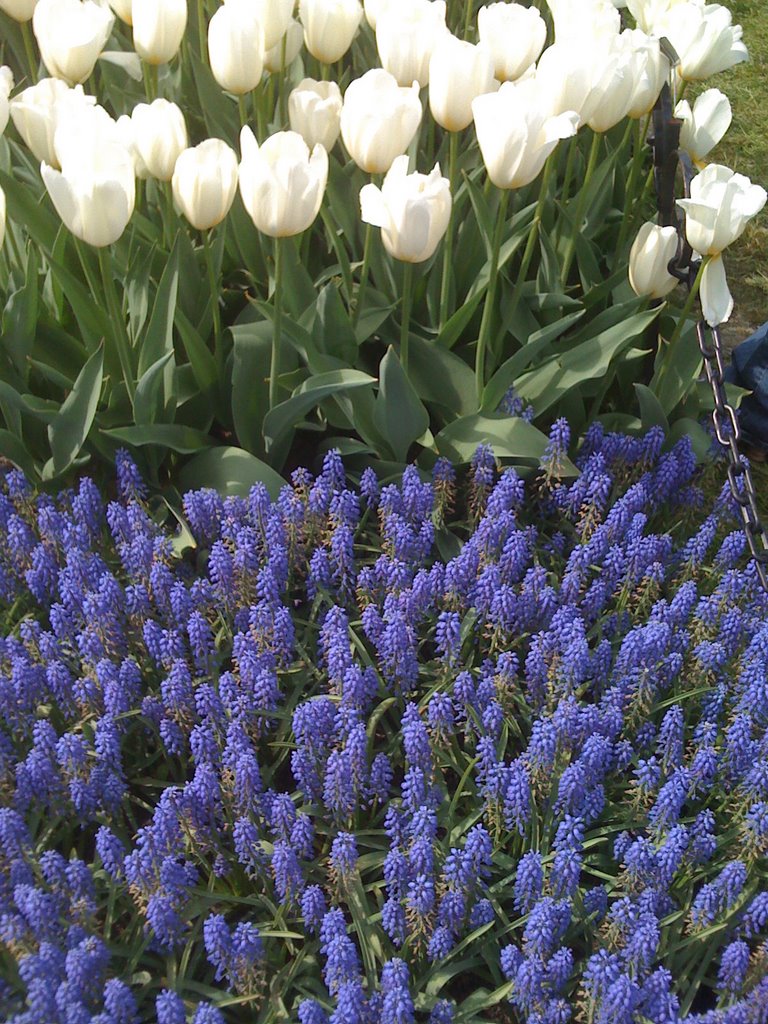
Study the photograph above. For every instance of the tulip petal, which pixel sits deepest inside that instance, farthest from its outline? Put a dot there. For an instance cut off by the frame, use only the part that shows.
(63, 197)
(716, 299)
(373, 209)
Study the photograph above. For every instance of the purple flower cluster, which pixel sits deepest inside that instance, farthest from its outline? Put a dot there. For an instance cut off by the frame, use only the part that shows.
(357, 758)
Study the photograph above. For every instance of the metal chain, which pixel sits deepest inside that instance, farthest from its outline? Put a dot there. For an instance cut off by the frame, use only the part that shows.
(668, 160)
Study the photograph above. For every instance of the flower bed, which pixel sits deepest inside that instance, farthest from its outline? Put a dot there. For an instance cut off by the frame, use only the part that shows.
(426, 750)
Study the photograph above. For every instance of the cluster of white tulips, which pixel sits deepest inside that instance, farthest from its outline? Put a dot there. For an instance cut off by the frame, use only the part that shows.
(522, 96)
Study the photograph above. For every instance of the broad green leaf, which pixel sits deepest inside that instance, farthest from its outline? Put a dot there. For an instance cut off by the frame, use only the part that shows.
(441, 377)
(13, 449)
(333, 332)
(20, 316)
(40, 221)
(157, 339)
(168, 435)
(700, 437)
(287, 414)
(148, 401)
(230, 471)
(68, 431)
(458, 322)
(681, 369)
(482, 211)
(509, 436)
(651, 411)
(537, 343)
(399, 414)
(250, 382)
(200, 357)
(517, 231)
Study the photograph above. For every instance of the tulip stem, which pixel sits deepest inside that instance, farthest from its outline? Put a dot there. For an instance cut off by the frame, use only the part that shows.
(29, 49)
(150, 80)
(120, 333)
(363, 273)
(405, 321)
(581, 203)
(213, 285)
(573, 147)
(533, 234)
(634, 171)
(684, 314)
(445, 284)
(468, 9)
(277, 324)
(242, 109)
(490, 297)
(282, 96)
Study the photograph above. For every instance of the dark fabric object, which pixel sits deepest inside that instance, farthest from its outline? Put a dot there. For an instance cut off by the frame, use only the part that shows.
(749, 369)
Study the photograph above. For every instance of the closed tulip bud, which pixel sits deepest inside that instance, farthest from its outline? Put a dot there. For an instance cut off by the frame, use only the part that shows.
(236, 47)
(127, 132)
(35, 113)
(329, 27)
(704, 125)
(412, 211)
(95, 190)
(649, 259)
(515, 36)
(379, 119)
(704, 38)
(294, 40)
(6, 84)
(281, 183)
(458, 72)
(123, 9)
(71, 35)
(19, 10)
(314, 109)
(275, 16)
(721, 205)
(406, 35)
(160, 136)
(204, 183)
(158, 28)
(516, 133)
(649, 69)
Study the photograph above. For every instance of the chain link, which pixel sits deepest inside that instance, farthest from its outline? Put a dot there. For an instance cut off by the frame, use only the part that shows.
(668, 161)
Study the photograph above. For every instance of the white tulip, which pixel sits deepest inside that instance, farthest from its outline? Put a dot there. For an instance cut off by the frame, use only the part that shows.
(613, 87)
(314, 110)
(19, 10)
(35, 111)
(379, 119)
(649, 258)
(281, 183)
(458, 72)
(515, 36)
(374, 9)
(516, 133)
(715, 296)
(294, 40)
(406, 37)
(95, 190)
(204, 183)
(6, 84)
(123, 9)
(704, 38)
(71, 35)
(329, 27)
(158, 28)
(412, 211)
(236, 47)
(566, 79)
(649, 69)
(705, 124)
(127, 131)
(720, 206)
(275, 16)
(649, 13)
(592, 18)
(160, 136)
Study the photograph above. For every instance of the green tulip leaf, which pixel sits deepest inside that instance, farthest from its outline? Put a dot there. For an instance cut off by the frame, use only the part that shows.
(651, 411)
(230, 471)
(440, 377)
(148, 401)
(333, 332)
(252, 347)
(287, 414)
(175, 436)
(509, 436)
(69, 429)
(399, 415)
(14, 449)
